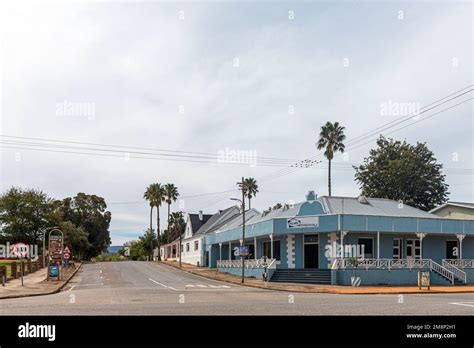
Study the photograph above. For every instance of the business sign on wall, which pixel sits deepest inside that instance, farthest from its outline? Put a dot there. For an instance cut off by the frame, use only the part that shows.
(302, 222)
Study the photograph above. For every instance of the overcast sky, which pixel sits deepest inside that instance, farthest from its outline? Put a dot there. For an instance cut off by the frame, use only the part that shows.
(209, 76)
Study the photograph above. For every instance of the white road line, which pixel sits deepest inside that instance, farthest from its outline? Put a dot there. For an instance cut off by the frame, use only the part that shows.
(100, 271)
(189, 286)
(72, 287)
(202, 286)
(225, 286)
(89, 284)
(467, 304)
(163, 285)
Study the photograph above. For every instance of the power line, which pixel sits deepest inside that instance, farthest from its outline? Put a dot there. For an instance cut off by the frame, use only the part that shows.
(284, 172)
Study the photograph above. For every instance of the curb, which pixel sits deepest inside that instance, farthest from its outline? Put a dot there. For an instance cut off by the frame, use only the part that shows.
(58, 289)
(325, 291)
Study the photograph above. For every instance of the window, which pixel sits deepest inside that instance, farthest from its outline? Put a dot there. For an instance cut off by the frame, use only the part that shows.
(196, 245)
(367, 247)
(276, 249)
(187, 247)
(310, 238)
(397, 248)
(413, 248)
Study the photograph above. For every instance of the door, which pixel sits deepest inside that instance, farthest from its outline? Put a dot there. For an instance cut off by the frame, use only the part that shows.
(452, 250)
(311, 256)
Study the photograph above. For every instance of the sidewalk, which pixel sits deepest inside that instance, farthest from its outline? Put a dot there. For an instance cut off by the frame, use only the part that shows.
(35, 284)
(310, 288)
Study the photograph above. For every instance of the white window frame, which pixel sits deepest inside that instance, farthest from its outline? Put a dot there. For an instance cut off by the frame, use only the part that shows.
(399, 247)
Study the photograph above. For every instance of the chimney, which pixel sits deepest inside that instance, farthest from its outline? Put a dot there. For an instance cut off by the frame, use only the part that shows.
(200, 215)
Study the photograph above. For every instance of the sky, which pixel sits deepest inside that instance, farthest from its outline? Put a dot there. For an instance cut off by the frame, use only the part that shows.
(214, 77)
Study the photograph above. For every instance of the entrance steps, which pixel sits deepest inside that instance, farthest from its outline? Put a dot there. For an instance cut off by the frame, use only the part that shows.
(302, 275)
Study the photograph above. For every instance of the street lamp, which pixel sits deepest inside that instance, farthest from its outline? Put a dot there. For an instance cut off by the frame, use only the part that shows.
(242, 201)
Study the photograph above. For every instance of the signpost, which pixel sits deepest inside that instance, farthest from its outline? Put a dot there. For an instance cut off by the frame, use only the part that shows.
(424, 280)
(66, 256)
(55, 254)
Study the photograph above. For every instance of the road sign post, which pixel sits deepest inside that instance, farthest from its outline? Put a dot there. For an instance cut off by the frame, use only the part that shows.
(55, 253)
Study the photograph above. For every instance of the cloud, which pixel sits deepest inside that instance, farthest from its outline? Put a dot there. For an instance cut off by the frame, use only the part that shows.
(139, 65)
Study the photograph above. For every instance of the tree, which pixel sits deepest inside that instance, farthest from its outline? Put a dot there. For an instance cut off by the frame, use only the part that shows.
(25, 215)
(76, 238)
(150, 197)
(178, 225)
(149, 242)
(156, 194)
(331, 138)
(250, 188)
(171, 195)
(89, 212)
(400, 171)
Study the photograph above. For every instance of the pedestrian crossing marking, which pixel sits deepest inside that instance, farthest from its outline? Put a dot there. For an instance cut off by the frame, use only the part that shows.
(207, 286)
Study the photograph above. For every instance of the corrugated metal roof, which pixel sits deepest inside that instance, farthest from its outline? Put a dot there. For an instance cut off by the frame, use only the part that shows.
(375, 206)
(218, 219)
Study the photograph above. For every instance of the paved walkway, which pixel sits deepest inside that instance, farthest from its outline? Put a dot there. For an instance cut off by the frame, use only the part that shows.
(212, 273)
(35, 284)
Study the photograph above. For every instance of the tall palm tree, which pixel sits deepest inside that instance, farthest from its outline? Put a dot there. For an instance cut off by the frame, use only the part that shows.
(149, 196)
(172, 194)
(156, 192)
(331, 138)
(250, 189)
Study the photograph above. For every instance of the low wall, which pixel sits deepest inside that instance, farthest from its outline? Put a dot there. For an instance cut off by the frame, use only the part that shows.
(249, 272)
(386, 277)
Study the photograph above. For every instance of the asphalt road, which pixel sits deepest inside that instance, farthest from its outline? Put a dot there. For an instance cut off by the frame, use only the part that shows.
(145, 288)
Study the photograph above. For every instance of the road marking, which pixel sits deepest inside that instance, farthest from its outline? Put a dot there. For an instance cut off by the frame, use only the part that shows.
(189, 286)
(467, 304)
(202, 286)
(163, 285)
(90, 284)
(100, 271)
(72, 287)
(207, 286)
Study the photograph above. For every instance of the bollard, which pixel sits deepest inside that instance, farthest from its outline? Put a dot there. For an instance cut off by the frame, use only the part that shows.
(3, 274)
(14, 270)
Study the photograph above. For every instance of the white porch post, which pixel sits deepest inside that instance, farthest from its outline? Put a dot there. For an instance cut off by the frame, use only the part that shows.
(220, 251)
(230, 250)
(421, 236)
(271, 246)
(460, 237)
(378, 245)
(343, 234)
(255, 247)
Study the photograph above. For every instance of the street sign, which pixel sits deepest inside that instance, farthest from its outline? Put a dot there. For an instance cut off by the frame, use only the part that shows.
(56, 248)
(244, 250)
(54, 271)
(66, 253)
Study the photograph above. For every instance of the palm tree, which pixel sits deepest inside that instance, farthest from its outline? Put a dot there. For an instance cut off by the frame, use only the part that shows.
(178, 225)
(156, 194)
(332, 139)
(171, 193)
(149, 196)
(250, 188)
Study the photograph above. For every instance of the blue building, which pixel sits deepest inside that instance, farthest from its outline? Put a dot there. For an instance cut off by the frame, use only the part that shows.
(333, 239)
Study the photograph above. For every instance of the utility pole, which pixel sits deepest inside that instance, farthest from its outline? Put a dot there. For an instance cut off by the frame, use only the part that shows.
(243, 228)
(242, 202)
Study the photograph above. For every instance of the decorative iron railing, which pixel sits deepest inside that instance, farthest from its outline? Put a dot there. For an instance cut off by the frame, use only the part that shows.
(460, 263)
(251, 263)
(389, 264)
(460, 274)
